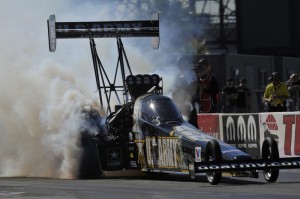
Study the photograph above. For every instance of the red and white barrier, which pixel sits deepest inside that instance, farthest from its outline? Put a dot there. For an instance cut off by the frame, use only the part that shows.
(248, 131)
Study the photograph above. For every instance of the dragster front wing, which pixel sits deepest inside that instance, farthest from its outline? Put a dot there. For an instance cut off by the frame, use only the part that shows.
(247, 165)
(103, 29)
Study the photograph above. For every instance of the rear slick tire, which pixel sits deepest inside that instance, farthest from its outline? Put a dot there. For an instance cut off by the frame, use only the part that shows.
(270, 151)
(213, 153)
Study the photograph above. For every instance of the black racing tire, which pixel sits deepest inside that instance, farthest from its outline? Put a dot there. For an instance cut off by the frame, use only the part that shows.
(270, 151)
(89, 164)
(213, 153)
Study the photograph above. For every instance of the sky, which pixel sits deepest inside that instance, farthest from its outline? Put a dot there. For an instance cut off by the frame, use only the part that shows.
(43, 92)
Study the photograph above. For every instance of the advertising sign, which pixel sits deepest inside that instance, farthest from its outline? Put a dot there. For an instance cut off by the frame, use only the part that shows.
(285, 129)
(209, 123)
(242, 131)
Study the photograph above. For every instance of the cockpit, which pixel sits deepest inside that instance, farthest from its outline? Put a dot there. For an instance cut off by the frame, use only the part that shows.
(160, 109)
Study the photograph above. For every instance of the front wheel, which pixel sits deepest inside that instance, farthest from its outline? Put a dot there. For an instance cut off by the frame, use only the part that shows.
(270, 151)
(213, 153)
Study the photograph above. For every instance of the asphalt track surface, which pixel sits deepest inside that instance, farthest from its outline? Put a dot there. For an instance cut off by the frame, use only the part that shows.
(151, 187)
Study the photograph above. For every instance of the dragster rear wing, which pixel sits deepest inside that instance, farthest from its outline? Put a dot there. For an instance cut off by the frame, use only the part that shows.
(103, 29)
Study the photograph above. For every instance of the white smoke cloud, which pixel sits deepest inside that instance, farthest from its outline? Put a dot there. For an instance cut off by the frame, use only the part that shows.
(42, 93)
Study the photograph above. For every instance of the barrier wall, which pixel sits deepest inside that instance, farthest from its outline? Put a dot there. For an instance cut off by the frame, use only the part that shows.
(248, 131)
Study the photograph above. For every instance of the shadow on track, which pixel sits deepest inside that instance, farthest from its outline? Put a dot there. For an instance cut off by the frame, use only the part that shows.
(179, 178)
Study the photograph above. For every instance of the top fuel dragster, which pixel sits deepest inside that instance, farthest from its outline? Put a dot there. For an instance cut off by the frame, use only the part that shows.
(147, 132)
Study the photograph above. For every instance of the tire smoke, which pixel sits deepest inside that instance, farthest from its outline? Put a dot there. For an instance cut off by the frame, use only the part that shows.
(42, 93)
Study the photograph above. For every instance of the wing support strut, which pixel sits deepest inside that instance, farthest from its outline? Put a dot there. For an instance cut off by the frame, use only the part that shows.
(106, 29)
(104, 85)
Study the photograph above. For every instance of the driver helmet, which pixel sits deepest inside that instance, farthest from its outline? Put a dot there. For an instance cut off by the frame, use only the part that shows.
(203, 67)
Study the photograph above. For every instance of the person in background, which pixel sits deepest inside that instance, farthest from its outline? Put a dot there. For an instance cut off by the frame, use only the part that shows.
(293, 85)
(208, 87)
(293, 81)
(244, 97)
(276, 94)
(229, 97)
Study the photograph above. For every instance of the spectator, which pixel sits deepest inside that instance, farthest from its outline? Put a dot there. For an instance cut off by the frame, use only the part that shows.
(293, 81)
(243, 99)
(208, 87)
(276, 94)
(229, 97)
(293, 86)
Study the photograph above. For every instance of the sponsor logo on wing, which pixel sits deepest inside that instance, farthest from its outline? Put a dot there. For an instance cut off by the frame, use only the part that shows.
(100, 27)
(242, 131)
